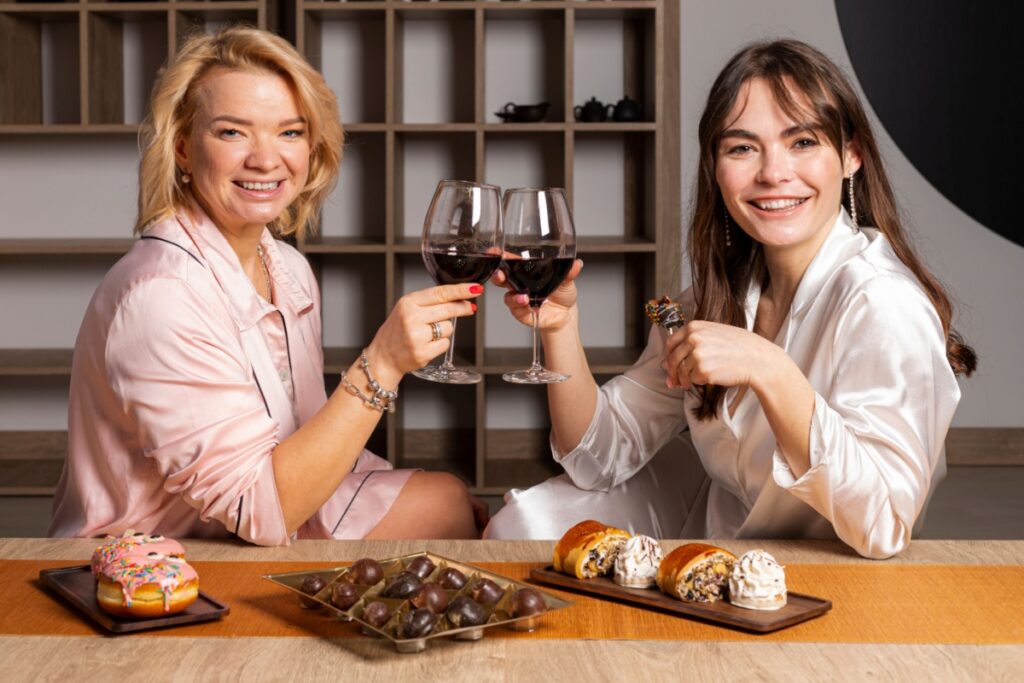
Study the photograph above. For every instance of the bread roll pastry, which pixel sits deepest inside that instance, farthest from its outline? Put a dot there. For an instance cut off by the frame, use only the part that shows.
(696, 572)
(588, 549)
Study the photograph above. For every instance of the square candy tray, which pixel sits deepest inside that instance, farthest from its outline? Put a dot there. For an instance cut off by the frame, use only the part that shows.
(498, 615)
(77, 586)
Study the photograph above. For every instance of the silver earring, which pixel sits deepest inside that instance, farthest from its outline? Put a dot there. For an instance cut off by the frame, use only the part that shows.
(728, 233)
(853, 201)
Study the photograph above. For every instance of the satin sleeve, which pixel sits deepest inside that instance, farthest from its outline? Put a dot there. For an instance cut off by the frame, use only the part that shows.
(636, 415)
(177, 367)
(877, 436)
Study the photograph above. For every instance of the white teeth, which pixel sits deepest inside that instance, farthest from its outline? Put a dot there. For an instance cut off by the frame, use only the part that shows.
(777, 204)
(259, 186)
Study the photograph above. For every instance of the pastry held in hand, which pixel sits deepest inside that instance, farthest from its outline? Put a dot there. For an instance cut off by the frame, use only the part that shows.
(588, 549)
(665, 312)
(757, 581)
(696, 572)
(636, 565)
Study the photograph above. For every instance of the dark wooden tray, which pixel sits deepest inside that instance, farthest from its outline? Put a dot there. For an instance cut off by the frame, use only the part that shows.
(78, 586)
(799, 607)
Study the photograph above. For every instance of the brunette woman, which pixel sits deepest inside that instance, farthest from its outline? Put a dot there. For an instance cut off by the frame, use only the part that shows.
(817, 374)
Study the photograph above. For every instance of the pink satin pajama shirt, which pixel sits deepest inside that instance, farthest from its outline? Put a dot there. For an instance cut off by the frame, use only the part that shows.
(184, 380)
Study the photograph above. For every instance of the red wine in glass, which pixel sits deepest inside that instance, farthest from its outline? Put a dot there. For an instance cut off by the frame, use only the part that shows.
(451, 265)
(461, 244)
(536, 272)
(539, 250)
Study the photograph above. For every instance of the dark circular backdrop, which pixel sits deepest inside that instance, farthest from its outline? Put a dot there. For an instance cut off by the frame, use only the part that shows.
(945, 78)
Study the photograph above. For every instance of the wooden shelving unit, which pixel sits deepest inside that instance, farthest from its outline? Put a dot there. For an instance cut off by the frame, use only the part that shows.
(392, 126)
(363, 48)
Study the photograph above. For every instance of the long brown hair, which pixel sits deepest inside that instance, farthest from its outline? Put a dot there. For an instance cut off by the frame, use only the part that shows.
(722, 274)
(173, 107)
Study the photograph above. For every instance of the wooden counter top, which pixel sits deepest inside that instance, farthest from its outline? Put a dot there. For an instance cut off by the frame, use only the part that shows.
(357, 659)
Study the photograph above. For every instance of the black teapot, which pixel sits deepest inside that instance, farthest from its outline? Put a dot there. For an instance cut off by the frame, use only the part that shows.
(627, 109)
(523, 113)
(593, 111)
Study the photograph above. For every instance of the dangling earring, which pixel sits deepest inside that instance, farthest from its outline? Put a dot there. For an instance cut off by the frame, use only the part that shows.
(853, 201)
(728, 234)
(186, 178)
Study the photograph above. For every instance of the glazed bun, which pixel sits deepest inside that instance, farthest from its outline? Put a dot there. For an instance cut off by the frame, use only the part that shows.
(148, 600)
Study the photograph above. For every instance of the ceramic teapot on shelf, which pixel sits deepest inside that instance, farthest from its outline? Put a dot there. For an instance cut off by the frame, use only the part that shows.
(627, 109)
(593, 111)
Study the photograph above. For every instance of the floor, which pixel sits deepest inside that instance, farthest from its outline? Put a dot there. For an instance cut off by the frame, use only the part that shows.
(972, 503)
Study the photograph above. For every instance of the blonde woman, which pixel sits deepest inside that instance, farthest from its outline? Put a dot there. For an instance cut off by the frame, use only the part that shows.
(197, 404)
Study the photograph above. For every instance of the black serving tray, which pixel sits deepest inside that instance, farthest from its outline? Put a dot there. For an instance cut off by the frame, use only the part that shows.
(77, 586)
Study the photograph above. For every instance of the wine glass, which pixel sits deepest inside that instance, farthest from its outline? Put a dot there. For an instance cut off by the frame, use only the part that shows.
(461, 243)
(540, 248)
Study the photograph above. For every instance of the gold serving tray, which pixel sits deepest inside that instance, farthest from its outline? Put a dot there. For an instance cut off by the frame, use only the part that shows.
(498, 615)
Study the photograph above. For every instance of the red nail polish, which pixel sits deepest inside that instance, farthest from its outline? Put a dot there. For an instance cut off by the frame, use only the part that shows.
(474, 307)
(476, 289)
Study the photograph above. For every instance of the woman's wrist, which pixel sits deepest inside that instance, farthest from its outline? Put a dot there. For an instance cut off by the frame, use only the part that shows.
(568, 328)
(383, 369)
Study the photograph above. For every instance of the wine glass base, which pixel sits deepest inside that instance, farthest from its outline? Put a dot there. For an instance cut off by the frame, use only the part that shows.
(437, 373)
(534, 376)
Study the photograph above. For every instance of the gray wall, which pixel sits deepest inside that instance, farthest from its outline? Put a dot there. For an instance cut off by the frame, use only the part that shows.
(983, 271)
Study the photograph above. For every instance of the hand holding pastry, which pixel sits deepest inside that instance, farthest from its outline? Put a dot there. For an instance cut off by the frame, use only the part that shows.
(712, 353)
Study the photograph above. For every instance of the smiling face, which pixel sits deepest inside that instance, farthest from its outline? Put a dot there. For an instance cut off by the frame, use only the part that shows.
(248, 151)
(781, 179)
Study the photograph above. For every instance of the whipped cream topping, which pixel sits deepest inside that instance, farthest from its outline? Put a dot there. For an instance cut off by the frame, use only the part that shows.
(636, 565)
(757, 581)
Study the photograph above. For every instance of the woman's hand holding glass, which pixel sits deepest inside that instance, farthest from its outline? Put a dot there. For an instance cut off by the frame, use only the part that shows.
(406, 341)
(559, 310)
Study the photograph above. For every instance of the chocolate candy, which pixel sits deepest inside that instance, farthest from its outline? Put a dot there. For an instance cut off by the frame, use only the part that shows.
(417, 623)
(486, 591)
(344, 595)
(431, 596)
(452, 578)
(365, 572)
(311, 585)
(528, 601)
(376, 614)
(402, 586)
(465, 611)
(421, 566)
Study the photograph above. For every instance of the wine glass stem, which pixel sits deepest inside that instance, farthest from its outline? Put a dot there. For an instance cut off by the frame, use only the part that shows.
(447, 364)
(535, 367)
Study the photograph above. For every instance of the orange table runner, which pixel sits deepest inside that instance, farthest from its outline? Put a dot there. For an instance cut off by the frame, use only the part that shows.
(870, 604)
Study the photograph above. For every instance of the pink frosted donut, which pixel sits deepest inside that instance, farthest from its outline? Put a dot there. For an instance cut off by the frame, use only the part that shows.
(115, 548)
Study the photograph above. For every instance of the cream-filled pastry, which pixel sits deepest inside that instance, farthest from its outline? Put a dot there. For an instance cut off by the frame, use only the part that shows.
(636, 565)
(757, 581)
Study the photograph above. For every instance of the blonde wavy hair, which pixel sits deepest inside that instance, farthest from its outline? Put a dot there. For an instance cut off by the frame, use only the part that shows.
(175, 102)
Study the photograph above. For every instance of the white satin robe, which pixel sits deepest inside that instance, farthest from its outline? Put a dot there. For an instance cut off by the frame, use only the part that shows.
(871, 345)
(184, 380)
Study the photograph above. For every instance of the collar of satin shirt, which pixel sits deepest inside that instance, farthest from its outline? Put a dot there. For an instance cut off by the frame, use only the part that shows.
(193, 231)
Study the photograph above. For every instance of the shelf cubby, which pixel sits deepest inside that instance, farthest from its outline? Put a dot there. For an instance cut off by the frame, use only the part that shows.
(356, 212)
(353, 291)
(126, 49)
(524, 59)
(434, 66)
(612, 172)
(40, 54)
(516, 158)
(350, 49)
(422, 159)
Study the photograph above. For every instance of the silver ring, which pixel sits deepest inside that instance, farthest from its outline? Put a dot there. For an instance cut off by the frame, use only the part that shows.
(435, 331)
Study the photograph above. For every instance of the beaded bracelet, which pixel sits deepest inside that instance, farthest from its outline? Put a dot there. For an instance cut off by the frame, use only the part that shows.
(381, 400)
